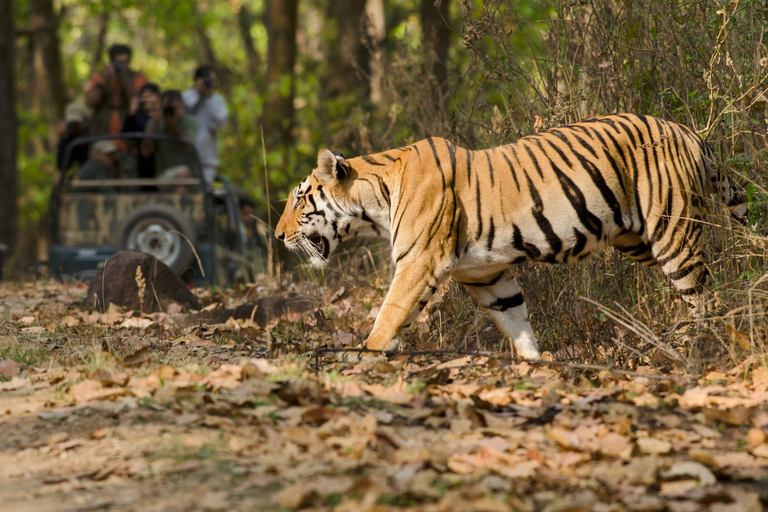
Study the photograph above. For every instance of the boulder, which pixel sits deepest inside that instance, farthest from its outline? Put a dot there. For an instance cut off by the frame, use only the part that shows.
(119, 282)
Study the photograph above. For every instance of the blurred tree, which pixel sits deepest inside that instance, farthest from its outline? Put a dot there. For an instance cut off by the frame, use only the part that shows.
(100, 37)
(46, 89)
(281, 58)
(376, 33)
(8, 126)
(245, 22)
(436, 35)
(206, 45)
(346, 57)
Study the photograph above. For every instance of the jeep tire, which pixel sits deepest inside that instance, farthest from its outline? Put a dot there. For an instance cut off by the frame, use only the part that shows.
(157, 229)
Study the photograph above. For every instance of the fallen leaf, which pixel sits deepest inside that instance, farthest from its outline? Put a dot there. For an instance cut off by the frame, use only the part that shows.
(736, 416)
(760, 450)
(564, 438)
(9, 368)
(689, 469)
(141, 356)
(653, 446)
(615, 445)
(760, 376)
(756, 436)
(15, 383)
(738, 337)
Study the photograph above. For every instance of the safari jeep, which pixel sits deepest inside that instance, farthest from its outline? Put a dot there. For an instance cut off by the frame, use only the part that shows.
(195, 229)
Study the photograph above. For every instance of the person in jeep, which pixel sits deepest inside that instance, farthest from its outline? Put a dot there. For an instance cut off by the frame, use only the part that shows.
(142, 110)
(111, 91)
(102, 165)
(171, 157)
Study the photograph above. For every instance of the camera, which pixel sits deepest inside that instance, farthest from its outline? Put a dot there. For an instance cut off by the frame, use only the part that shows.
(209, 82)
(169, 111)
(70, 128)
(118, 66)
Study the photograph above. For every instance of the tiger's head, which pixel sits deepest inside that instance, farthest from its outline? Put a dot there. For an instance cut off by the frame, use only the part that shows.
(315, 218)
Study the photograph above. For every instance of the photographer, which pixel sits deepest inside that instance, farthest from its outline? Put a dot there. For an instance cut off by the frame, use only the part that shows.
(211, 112)
(111, 91)
(171, 158)
(74, 126)
(140, 113)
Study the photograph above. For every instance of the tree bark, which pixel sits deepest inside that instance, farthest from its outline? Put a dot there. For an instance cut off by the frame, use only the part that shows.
(435, 38)
(50, 93)
(281, 58)
(347, 56)
(210, 56)
(376, 33)
(8, 127)
(100, 37)
(245, 21)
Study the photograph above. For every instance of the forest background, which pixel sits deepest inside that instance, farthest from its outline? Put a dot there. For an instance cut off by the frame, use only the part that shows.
(366, 75)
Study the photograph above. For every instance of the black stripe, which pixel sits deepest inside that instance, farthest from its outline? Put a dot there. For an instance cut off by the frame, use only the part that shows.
(533, 159)
(469, 167)
(491, 235)
(511, 167)
(492, 282)
(529, 249)
(479, 204)
(452, 153)
(683, 272)
(507, 302)
(370, 160)
(581, 242)
(487, 154)
(384, 189)
(555, 244)
(589, 220)
(435, 224)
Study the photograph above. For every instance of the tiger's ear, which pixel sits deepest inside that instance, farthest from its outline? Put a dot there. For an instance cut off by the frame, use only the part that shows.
(331, 167)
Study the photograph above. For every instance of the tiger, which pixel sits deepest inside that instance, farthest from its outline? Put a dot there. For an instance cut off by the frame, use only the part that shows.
(633, 182)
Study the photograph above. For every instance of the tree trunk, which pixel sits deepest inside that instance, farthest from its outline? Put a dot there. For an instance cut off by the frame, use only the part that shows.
(376, 33)
(278, 111)
(100, 37)
(347, 56)
(245, 22)
(210, 56)
(8, 127)
(436, 35)
(51, 94)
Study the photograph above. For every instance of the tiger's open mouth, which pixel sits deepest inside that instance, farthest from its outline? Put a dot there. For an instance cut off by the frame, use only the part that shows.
(321, 244)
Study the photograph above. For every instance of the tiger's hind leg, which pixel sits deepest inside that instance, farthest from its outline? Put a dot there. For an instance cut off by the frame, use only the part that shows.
(684, 263)
(501, 297)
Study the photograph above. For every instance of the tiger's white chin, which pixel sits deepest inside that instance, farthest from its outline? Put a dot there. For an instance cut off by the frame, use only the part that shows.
(318, 262)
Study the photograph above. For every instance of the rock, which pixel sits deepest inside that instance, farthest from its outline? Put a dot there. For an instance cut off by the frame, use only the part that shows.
(118, 282)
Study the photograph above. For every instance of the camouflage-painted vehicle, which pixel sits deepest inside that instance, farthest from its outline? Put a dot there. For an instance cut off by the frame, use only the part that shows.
(195, 229)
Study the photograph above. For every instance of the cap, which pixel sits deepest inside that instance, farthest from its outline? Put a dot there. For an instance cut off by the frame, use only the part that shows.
(104, 146)
(75, 112)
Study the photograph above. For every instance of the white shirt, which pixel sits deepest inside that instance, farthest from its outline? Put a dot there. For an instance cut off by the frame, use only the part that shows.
(212, 115)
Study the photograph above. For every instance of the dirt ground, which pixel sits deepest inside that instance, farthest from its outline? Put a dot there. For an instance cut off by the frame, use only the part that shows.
(119, 410)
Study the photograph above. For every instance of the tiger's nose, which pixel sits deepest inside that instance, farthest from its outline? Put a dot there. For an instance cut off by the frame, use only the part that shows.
(280, 236)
